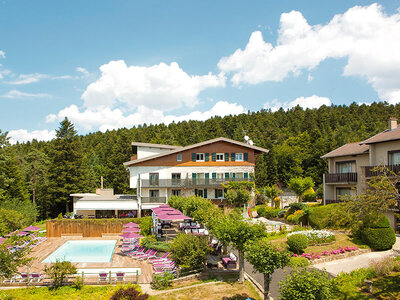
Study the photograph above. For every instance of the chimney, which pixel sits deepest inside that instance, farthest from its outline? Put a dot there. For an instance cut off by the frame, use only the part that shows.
(392, 123)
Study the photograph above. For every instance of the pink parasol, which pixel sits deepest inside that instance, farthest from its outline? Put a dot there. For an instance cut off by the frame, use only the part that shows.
(31, 228)
(22, 233)
(131, 235)
(11, 233)
(1, 240)
(131, 224)
(131, 229)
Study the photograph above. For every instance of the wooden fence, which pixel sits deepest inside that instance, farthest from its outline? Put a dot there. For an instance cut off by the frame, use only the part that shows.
(86, 228)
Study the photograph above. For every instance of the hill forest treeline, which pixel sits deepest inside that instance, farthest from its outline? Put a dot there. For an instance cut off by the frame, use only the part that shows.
(36, 178)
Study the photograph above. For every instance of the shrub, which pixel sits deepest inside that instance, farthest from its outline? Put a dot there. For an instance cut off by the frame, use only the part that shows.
(346, 285)
(304, 284)
(309, 195)
(323, 216)
(277, 203)
(78, 283)
(385, 266)
(145, 225)
(297, 243)
(380, 222)
(162, 281)
(130, 293)
(59, 270)
(298, 262)
(281, 213)
(261, 211)
(267, 212)
(379, 238)
(151, 242)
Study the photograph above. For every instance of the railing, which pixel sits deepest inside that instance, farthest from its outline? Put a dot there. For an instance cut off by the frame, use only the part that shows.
(154, 199)
(372, 171)
(330, 201)
(340, 177)
(188, 183)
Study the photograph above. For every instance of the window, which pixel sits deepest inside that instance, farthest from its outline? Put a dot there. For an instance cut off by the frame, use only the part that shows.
(345, 167)
(342, 192)
(176, 178)
(154, 193)
(199, 193)
(199, 156)
(220, 157)
(176, 192)
(179, 157)
(239, 175)
(219, 193)
(154, 178)
(238, 156)
(394, 157)
(220, 175)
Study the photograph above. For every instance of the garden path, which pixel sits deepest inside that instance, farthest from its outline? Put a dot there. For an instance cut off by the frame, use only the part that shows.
(356, 262)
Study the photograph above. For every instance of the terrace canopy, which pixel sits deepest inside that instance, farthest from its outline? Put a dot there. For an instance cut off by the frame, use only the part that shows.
(165, 212)
(131, 224)
(31, 228)
(131, 235)
(131, 229)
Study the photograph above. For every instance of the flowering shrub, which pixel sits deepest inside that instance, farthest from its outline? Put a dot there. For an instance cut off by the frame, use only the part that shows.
(316, 255)
(316, 236)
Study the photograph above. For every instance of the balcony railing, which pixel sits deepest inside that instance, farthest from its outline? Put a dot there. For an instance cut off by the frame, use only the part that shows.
(188, 182)
(154, 199)
(340, 177)
(372, 171)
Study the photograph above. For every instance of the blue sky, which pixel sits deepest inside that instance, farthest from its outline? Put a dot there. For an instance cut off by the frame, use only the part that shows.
(164, 61)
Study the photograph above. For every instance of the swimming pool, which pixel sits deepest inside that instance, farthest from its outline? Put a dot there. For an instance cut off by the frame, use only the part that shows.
(83, 251)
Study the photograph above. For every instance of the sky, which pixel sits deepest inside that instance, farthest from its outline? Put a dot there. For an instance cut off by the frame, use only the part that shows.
(113, 64)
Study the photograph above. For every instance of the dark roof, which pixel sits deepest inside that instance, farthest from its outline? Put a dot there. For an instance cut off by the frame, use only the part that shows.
(220, 139)
(384, 136)
(348, 149)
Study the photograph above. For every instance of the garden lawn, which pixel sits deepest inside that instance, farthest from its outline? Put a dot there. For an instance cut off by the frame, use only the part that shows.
(219, 290)
(342, 240)
(386, 287)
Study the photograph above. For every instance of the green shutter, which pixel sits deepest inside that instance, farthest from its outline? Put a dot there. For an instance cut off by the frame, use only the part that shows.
(214, 175)
(207, 175)
(232, 156)
(226, 175)
(193, 175)
(245, 156)
(233, 175)
(216, 193)
(205, 193)
(226, 156)
(207, 157)
(246, 175)
(195, 192)
(193, 156)
(214, 156)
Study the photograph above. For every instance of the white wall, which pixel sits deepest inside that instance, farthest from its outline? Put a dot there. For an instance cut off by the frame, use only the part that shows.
(143, 152)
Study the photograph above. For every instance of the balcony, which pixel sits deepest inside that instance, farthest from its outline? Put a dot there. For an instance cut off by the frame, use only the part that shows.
(188, 183)
(341, 177)
(154, 199)
(372, 171)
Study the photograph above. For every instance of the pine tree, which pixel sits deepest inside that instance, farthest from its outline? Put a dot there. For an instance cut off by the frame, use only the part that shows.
(68, 171)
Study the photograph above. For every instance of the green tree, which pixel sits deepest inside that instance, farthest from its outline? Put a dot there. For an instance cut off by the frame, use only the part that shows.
(68, 170)
(272, 192)
(265, 259)
(299, 185)
(238, 193)
(58, 271)
(11, 261)
(233, 230)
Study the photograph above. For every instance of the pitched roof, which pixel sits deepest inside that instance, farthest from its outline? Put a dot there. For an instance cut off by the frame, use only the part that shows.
(150, 145)
(384, 136)
(348, 149)
(220, 139)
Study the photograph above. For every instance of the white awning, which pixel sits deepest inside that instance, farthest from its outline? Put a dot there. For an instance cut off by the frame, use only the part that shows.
(150, 206)
(105, 205)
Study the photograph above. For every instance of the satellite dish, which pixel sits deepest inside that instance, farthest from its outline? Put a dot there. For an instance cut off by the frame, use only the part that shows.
(251, 143)
(246, 138)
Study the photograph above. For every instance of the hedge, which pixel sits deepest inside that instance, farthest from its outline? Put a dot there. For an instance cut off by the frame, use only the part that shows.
(379, 238)
(297, 243)
(380, 222)
(319, 217)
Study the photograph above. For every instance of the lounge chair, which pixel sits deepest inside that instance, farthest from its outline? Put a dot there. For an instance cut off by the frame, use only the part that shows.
(161, 258)
(151, 254)
(229, 262)
(120, 277)
(140, 253)
(35, 277)
(103, 277)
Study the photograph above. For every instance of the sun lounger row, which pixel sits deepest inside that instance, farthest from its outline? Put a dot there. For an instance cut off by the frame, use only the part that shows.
(196, 231)
(24, 277)
(119, 277)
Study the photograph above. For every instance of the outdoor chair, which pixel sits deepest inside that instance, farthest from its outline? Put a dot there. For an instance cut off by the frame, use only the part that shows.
(230, 261)
(120, 277)
(24, 277)
(151, 254)
(161, 258)
(35, 277)
(103, 277)
(140, 252)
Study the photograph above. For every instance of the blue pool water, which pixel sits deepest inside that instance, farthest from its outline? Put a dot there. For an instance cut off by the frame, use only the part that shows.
(84, 251)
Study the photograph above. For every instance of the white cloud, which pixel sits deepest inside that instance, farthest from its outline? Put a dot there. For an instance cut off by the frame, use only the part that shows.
(28, 78)
(107, 118)
(22, 135)
(82, 70)
(163, 86)
(367, 37)
(2, 54)
(311, 102)
(18, 94)
(310, 78)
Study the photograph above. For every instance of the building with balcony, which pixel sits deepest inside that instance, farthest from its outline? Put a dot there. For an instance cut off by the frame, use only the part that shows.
(160, 171)
(350, 165)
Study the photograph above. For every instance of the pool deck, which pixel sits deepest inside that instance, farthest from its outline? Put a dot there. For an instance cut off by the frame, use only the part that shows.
(118, 260)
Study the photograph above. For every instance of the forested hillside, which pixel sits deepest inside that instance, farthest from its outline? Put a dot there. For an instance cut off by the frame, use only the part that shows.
(297, 138)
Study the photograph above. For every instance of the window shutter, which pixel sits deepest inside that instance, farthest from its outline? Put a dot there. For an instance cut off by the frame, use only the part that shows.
(195, 192)
(194, 175)
(205, 193)
(193, 156)
(214, 156)
(232, 156)
(233, 175)
(246, 175)
(207, 156)
(214, 175)
(216, 193)
(245, 156)
(226, 156)
(226, 175)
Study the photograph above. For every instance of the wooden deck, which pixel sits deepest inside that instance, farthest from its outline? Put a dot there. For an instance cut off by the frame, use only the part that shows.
(118, 260)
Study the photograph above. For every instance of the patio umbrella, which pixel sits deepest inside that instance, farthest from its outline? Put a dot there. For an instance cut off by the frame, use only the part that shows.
(11, 233)
(1, 240)
(174, 216)
(131, 224)
(131, 229)
(131, 235)
(31, 228)
(22, 233)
